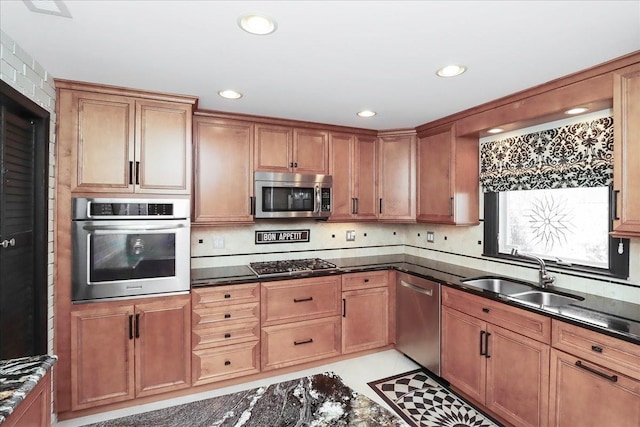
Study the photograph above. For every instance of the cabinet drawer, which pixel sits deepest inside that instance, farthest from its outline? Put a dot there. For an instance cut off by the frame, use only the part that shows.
(291, 344)
(370, 279)
(524, 322)
(226, 362)
(225, 334)
(231, 294)
(604, 350)
(222, 313)
(302, 299)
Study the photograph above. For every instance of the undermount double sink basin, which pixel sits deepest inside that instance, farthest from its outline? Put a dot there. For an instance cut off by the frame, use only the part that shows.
(521, 292)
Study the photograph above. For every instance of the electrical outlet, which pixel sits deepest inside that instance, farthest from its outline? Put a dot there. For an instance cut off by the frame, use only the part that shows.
(218, 242)
(351, 235)
(430, 237)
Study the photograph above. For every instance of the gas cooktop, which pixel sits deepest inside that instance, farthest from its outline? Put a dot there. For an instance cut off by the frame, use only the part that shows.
(290, 267)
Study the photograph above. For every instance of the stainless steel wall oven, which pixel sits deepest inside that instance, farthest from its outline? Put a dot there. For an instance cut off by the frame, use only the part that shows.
(129, 247)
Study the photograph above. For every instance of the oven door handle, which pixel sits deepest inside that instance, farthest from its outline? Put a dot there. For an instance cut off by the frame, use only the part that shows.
(131, 227)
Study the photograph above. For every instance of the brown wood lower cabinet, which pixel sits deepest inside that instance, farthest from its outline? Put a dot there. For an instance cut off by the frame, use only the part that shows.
(595, 379)
(365, 311)
(586, 394)
(35, 409)
(493, 365)
(299, 342)
(120, 351)
(226, 332)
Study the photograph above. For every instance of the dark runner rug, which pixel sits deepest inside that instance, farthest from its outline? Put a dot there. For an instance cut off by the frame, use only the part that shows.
(423, 402)
(317, 400)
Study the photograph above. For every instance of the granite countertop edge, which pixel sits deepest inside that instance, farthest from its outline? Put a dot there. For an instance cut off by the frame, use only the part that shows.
(28, 371)
(447, 275)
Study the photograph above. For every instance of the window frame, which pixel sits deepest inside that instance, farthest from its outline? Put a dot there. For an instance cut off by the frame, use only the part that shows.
(618, 263)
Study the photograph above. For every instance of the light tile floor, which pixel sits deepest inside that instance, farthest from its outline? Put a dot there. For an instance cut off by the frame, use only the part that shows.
(356, 373)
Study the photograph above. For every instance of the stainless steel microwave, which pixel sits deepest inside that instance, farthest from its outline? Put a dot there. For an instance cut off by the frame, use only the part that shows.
(292, 195)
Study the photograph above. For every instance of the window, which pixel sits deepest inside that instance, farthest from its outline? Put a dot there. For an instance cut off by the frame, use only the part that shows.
(567, 227)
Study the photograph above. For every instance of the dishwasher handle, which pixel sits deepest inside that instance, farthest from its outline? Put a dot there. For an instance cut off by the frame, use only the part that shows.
(428, 292)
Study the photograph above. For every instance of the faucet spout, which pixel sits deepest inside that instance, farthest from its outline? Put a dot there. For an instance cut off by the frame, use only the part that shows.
(544, 278)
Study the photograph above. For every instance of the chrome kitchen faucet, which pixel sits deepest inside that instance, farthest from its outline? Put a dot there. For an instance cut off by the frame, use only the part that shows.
(545, 279)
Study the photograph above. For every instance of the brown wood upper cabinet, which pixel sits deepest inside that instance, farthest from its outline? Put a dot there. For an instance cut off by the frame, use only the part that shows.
(125, 141)
(352, 164)
(626, 173)
(397, 173)
(223, 154)
(447, 177)
(285, 149)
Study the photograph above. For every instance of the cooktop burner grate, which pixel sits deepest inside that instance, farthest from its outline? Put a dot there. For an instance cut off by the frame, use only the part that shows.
(290, 267)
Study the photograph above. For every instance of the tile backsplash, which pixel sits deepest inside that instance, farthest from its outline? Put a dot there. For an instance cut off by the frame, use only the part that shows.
(235, 245)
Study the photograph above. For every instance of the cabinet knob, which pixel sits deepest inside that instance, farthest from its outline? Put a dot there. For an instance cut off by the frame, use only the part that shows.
(227, 315)
(227, 296)
(227, 362)
(596, 348)
(227, 335)
(485, 310)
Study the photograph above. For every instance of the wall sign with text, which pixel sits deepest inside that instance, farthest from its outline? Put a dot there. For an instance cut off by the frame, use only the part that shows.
(282, 236)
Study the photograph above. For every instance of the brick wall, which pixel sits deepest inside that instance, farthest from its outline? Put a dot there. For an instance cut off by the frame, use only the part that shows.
(21, 71)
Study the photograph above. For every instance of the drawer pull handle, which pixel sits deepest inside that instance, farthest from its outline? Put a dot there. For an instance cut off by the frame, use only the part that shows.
(485, 310)
(227, 335)
(303, 299)
(612, 378)
(596, 348)
(227, 362)
(227, 315)
(227, 296)
(366, 280)
(307, 341)
(482, 352)
(486, 345)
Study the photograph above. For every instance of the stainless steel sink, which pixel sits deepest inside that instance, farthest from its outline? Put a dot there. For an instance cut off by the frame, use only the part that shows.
(497, 285)
(544, 299)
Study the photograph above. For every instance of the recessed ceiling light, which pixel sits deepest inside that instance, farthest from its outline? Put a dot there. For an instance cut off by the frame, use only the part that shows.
(51, 7)
(577, 110)
(230, 94)
(257, 24)
(495, 130)
(366, 113)
(451, 70)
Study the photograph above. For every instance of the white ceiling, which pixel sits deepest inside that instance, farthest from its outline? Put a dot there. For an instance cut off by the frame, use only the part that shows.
(328, 59)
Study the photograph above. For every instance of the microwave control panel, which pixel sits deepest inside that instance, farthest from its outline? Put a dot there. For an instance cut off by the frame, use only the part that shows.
(325, 195)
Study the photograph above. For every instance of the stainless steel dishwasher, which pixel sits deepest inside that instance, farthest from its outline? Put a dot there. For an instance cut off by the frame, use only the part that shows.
(418, 320)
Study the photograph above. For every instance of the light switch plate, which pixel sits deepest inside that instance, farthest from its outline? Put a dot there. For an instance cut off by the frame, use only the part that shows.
(351, 235)
(430, 237)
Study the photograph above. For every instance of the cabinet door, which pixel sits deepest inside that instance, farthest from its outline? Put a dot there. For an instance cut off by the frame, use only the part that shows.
(223, 155)
(102, 349)
(163, 345)
(517, 377)
(100, 129)
(626, 122)
(273, 148)
(310, 151)
(342, 166)
(365, 182)
(585, 394)
(435, 199)
(365, 319)
(461, 362)
(396, 188)
(163, 148)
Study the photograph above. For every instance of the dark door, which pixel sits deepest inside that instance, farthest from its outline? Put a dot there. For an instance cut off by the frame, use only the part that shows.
(23, 246)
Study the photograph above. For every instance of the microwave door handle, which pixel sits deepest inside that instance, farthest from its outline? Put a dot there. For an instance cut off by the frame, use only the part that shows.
(318, 199)
(131, 227)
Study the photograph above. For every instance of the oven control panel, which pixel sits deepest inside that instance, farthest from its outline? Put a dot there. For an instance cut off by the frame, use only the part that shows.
(117, 209)
(130, 209)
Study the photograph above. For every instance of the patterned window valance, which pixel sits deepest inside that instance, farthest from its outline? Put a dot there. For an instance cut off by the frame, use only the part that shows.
(575, 155)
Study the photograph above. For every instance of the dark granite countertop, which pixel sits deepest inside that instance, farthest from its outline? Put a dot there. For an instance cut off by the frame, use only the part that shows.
(18, 377)
(616, 318)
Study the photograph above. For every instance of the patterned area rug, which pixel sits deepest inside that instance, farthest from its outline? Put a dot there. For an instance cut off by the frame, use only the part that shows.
(313, 401)
(423, 402)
